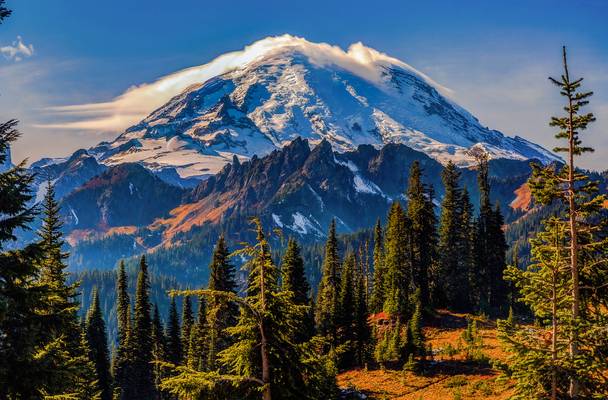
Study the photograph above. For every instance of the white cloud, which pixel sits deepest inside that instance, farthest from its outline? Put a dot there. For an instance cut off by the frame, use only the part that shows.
(138, 101)
(17, 51)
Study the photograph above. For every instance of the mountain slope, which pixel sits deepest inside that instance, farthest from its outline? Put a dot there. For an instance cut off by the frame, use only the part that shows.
(287, 87)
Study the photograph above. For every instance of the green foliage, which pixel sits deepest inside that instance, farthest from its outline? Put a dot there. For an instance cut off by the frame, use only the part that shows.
(397, 263)
(142, 381)
(221, 314)
(328, 292)
(294, 281)
(378, 296)
(97, 345)
(262, 357)
(421, 215)
(174, 337)
(564, 286)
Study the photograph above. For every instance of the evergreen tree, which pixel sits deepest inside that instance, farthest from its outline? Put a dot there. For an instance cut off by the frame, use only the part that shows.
(466, 248)
(361, 327)
(378, 296)
(122, 363)
(20, 296)
(174, 337)
(262, 355)
(346, 310)
(328, 292)
(60, 339)
(141, 370)
(220, 314)
(490, 245)
(198, 348)
(566, 287)
(159, 348)
(416, 343)
(455, 282)
(187, 323)
(294, 280)
(398, 282)
(539, 353)
(97, 344)
(421, 214)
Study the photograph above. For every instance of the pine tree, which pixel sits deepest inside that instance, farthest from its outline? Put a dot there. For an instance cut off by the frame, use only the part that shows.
(397, 263)
(571, 253)
(60, 339)
(378, 296)
(159, 348)
(328, 292)
(174, 337)
(262, 355)
(141, 370)
(199, 348)
(294, 280)
(455, 282)
(20, 298)
(346, 310)
(187, 323)
(122, 363)
(416, 343)
(220, 314)
(537, 353)
(490, 245)
(97, 344)
(421, 215)
(466, 248)
(361, 329)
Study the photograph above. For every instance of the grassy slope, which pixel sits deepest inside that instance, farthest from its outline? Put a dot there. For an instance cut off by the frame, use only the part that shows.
(444, 376)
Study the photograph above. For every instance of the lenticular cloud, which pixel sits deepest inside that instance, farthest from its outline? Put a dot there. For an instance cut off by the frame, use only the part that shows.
(138, 101)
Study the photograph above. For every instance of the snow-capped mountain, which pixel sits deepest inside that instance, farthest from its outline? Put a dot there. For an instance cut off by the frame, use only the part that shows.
(287, 87)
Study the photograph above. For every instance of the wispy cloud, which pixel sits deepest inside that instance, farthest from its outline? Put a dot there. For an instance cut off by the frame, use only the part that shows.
(18, 50)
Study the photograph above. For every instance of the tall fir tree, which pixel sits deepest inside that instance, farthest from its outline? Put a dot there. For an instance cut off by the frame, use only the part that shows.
(345, 317)
(398, 284)
(141, 370)
(490, 245)
(159, 349)
(187, 323)
(455, 277)
(174, 337)
(294, 280)
(466, 248)
(122, 362)
(421, 214)
(61, 331)
(220, 314)
(199, 347)
(97, 345)
(328, 292)
(20, 297)
(378, 295)
(577, 237)
(361, 328)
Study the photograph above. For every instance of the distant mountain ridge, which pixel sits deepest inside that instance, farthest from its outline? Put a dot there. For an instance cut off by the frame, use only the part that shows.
(297, 189)
(298, 134)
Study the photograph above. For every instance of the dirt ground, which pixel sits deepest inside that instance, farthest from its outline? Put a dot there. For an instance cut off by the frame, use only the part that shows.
(446, 374)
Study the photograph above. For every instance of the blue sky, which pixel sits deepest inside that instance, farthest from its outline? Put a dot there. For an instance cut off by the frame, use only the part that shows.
(494, 55)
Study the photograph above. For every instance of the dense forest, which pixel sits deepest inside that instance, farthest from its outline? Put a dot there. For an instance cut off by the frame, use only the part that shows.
(270, 330)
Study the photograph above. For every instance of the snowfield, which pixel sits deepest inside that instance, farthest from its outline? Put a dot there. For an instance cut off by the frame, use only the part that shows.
(259, 99)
